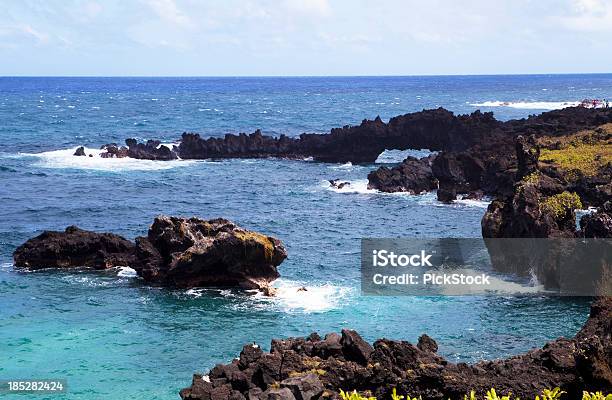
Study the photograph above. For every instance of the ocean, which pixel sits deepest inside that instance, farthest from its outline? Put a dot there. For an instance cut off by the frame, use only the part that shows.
(112, 337)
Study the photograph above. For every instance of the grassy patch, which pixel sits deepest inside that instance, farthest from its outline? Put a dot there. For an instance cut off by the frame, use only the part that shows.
(585, 152)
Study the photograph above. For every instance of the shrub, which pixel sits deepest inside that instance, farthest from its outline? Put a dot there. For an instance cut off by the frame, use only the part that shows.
(547, 394)
(559, 204)
(596, 396)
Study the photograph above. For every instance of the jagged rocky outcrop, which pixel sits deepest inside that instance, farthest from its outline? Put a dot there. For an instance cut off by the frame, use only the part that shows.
(413, 175)
(436, 130)
(74, 248)
(177, 252)
(315, 367)
(190, 252)
(597, 224)
(151, 150)
(477, 152)
(538, 208)
(79, 152)
(112, 150)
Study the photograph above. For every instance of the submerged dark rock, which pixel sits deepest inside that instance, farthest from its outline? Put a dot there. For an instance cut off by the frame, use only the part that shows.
(80, 151)
(577, 364)
(74, 248)
(338, 184)
(177, 252)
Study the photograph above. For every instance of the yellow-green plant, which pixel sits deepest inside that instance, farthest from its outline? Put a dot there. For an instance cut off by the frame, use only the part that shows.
(354, 396)
(547, 394)
(560, 203)
(596, 396)
(492, 395)
(554, 394)
(395, 396)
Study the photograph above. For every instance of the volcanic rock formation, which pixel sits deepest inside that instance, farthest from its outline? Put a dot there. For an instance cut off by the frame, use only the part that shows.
(413, 175)
(177, 252)
(313, 368)
(74, 247)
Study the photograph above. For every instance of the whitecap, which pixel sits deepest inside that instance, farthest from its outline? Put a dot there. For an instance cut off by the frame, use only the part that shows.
(126, 272)
(356, 186)
(316, 298)
(297, 296)
(195, 293)
(482, 203)
(66, 159)
(529, 105)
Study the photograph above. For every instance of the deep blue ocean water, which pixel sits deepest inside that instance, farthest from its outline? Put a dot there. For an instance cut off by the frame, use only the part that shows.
(112, 337)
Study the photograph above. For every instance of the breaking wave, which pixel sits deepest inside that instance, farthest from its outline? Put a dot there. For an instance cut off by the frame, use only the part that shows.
(360, 186)
(66, 159)
(529, 105)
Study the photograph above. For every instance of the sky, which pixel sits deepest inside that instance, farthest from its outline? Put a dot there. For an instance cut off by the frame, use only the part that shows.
(303, 37)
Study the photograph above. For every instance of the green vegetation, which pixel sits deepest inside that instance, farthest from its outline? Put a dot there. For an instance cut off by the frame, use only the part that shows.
(547, 394)
(354, 396)
(559, 204)
(532, 178)
(583, 153)
(596, 396)
(263, 240)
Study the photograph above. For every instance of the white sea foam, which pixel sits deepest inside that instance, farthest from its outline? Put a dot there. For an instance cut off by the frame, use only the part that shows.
(66, 159)
(360, 186)
(126, 272)
(497, 285)
(345, 167)
(529, 105)
(291, 296)
(356, 186)
(483, 203)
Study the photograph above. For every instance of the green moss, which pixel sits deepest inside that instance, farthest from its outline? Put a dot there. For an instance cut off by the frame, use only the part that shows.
(587, 158)
(532, 179)
(262, 240)
(559, 204)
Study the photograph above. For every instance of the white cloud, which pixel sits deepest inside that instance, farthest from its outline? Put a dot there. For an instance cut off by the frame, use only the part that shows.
(317, 8)
(24, 30)
(170, 12)
(588, 16)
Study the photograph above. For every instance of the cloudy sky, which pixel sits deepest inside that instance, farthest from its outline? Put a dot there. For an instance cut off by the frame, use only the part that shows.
(304, 37)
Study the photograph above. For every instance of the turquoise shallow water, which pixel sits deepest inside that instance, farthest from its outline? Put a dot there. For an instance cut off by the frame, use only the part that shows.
(112, 337)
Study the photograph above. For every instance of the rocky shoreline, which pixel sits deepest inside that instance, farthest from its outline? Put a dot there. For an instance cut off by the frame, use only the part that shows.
(476, 152)
(529, 166)
(314, 367)
(177, 252)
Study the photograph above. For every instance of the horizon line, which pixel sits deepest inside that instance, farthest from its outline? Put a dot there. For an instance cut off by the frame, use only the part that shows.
(307, 76)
